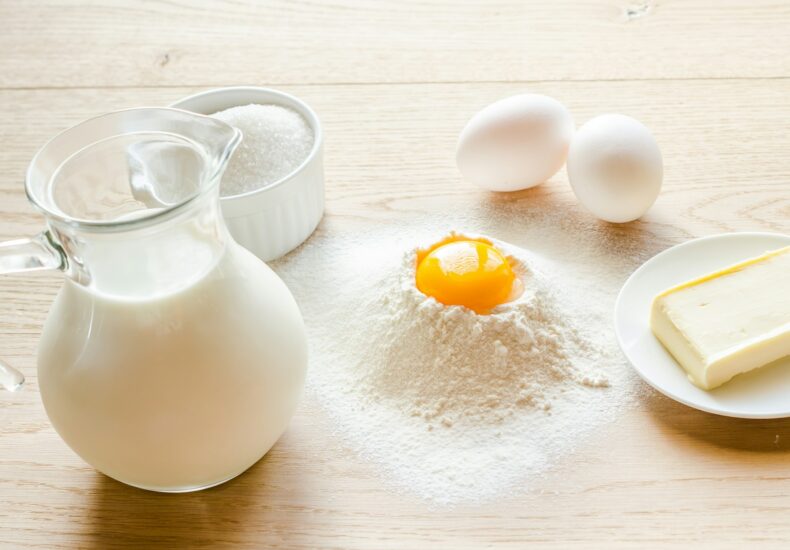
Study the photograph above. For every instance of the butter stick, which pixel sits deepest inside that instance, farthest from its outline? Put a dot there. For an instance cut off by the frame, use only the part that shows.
(728, 322)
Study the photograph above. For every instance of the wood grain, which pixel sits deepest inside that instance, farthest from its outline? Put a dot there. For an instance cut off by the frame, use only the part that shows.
(393, 84)
(112, 43)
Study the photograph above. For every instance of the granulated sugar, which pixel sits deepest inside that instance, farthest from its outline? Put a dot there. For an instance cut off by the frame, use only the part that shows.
(454, 406)
(276, 141)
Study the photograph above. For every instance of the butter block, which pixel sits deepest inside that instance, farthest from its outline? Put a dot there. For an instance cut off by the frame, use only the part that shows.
(728, 322)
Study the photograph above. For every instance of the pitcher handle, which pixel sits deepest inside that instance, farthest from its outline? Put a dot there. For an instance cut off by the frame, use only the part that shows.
(10, 378)
(35, 254)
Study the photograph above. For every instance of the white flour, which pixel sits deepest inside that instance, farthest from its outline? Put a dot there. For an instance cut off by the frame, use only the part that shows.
(450, 366)
(451, 405)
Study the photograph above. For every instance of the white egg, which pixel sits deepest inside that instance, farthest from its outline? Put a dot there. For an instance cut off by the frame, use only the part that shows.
(615, 167)
(515, 143)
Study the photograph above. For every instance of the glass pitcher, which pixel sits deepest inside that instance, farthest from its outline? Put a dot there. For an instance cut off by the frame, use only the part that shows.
(172, 358)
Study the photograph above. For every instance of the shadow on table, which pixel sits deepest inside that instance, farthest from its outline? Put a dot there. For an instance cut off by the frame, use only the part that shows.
(249, 508)
(721, 432)
(549, 209)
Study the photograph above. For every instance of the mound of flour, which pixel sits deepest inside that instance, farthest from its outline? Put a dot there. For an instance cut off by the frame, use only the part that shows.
(453, 406)
(450, 366)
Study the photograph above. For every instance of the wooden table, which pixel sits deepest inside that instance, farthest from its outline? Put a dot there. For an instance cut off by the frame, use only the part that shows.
(394, 82)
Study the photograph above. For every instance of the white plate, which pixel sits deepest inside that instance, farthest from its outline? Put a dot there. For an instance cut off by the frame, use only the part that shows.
(763, 393)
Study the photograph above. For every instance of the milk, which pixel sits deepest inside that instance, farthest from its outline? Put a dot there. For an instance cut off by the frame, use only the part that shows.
(175, 383)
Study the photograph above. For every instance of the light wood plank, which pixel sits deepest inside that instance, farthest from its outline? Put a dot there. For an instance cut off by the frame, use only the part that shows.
(219, 42)
(390, 149)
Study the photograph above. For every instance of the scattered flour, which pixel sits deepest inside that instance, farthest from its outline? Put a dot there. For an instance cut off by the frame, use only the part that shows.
(276, 141)
(454, 406)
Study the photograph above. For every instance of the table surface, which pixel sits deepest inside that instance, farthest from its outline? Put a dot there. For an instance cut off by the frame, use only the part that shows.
(394, 82)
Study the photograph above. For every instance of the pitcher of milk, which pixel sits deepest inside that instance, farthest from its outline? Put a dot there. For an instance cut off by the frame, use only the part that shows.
(172, 358)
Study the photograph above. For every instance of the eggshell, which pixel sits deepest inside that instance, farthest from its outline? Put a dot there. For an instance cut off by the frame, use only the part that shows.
(515, 143)
(615, 167)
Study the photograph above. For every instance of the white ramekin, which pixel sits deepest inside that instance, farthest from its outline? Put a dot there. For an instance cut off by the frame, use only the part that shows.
(275, 219)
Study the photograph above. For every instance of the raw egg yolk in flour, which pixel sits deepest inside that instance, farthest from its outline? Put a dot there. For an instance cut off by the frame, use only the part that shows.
(466, 272)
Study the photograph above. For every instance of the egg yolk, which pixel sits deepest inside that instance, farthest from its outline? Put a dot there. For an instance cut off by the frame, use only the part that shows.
(466, 273)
